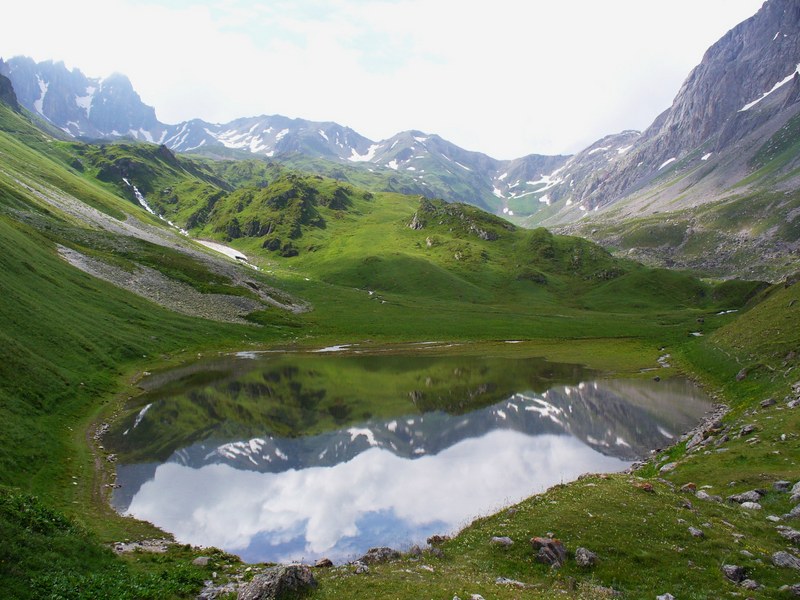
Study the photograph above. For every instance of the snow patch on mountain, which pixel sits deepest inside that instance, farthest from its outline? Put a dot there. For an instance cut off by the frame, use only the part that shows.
(667, 162)
(775, 87)
(38, 104)
(356, 157)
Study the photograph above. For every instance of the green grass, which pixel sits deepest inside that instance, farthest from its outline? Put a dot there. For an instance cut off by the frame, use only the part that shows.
(71, 345)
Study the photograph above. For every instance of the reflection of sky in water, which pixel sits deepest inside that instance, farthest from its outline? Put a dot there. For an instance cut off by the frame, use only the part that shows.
(374, 499)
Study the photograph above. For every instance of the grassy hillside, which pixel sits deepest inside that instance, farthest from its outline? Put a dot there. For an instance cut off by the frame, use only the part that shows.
(376, 267)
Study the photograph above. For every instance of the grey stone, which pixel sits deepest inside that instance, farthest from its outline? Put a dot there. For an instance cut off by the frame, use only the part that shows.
(703, 495)
(751, 496)
(789, 533)
(585, 557)
(750, 584)
(767, 402)
(747, 430)
(773, 518)
(549, 551)
(796, 488)
(793, 514)
(665, 597)
(781, 486)
(201, 561)
(695, 441)
(275, 583)
(502, 541)
(510, 582)
(751, 505)
(791, 589)
(361, 568)
(324, 563)
(734, 572)
(786, 560)
(668, 467)
(379, 555)
(415, 551)
(695, 532)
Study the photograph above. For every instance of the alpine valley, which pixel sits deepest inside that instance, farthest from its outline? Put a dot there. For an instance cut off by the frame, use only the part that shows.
(276, 290)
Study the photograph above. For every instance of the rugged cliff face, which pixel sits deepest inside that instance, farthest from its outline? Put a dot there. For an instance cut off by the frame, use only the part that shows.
(716, 107)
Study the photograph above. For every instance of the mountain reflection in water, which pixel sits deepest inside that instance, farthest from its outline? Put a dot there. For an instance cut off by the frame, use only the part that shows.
(393, 481)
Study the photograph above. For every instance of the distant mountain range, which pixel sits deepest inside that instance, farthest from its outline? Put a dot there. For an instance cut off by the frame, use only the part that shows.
(732, 133)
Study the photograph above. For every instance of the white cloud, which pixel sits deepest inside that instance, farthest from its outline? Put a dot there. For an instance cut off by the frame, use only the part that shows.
(321, 509)
(503, 77)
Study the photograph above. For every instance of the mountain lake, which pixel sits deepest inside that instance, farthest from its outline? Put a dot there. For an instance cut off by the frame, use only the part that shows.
(282, 457)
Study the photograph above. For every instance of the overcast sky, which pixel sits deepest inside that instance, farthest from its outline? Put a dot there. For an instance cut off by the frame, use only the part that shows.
(504, 77)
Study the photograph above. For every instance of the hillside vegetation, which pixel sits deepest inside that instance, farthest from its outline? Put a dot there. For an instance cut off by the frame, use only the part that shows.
(338, 263)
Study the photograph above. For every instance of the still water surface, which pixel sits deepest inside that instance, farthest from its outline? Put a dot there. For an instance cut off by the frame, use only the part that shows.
(295, 457)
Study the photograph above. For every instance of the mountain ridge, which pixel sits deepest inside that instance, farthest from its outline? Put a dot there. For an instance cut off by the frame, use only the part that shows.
(729, 135)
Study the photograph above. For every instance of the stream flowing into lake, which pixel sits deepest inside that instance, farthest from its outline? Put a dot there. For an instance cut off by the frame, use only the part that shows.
(288, 457)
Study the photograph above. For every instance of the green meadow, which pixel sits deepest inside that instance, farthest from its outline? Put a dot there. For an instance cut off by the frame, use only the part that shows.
(376, 269)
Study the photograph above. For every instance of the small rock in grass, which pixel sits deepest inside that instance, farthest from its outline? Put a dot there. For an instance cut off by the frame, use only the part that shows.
(665, 597)
(668, 467)
(476, 597)
(790, 534)
(786, 560)
(734, 573)
(774, 518)
(781, 486)
(750, 584)
(792, 589)
(796, 488)
(795, 497)
(549, 551)
(767, 402)
(379, 555)
(585, 557)
(361, 568)
(793, 514)
(435, 540)
(415, 551)
(703, 495)
(696, 440)
(751, 496)
(751, 505)
(646, 487)
(277, 582)
(689, 487)
(510, 582)
(696, 532)
(324, 563)
(201, 561)
(747, 429)
(502, 541)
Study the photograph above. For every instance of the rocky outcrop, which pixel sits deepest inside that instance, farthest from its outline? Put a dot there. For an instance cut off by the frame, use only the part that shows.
(7, 94)
(277, 583)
